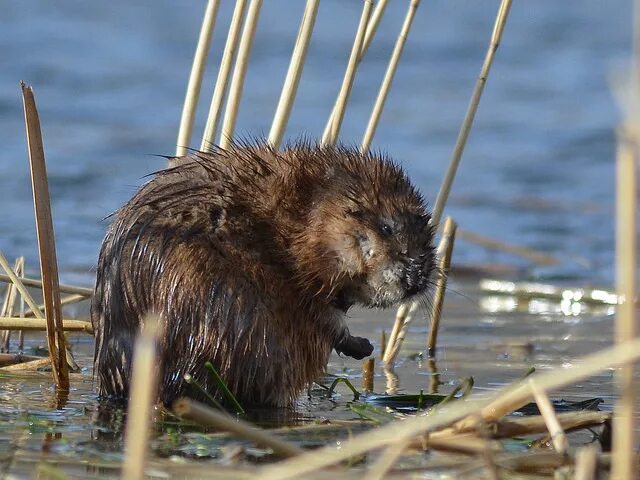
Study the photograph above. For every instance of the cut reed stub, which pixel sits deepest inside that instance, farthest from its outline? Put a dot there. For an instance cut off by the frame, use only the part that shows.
(368, 370)
(46, 241)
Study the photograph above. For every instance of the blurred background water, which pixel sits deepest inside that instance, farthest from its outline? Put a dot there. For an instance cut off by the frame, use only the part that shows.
(110, 78)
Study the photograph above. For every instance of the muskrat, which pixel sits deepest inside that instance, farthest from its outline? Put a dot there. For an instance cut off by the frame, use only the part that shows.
(251, 257)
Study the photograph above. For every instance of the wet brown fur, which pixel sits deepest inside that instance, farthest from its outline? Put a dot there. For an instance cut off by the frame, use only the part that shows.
(251, 257)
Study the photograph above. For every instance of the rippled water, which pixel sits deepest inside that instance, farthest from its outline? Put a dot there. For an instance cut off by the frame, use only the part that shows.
(538, 170)
(110, 80)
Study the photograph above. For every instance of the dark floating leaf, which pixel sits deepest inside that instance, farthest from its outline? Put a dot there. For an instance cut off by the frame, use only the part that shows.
(412, 402)
(561, 406)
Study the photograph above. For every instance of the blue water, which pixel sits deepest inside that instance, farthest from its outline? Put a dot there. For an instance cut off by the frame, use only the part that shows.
(538, 170)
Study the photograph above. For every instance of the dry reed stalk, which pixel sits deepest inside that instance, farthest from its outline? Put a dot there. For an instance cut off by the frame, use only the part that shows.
(195, 78)
(372, 27)
(374, 119)
(404, 316)
(69, 300)
(465, 128)
(461, 141)
(472, 412)
(465, 443)
(387, 460)
(623, 420)
(290, 87)
(9, 304)
(332, 129)
(32, 282)
(558, 438)
(31, 365)
(239, 73)
(587, 463)
(20, 286)
(197, 412)
(7, 359)
(383, 343)
(517, 426)
(222, 81)
(46, 241)
(20, 274)
(141, 399)
(368, 369)
(538, 258)
(40, 324)
(445, 252)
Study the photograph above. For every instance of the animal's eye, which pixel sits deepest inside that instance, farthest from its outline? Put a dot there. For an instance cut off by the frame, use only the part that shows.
(386, 229)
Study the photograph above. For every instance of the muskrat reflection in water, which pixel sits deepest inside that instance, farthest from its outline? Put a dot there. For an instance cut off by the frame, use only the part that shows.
(251, 257)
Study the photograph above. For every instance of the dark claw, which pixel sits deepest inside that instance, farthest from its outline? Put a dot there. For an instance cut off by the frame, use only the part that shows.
(356, 347)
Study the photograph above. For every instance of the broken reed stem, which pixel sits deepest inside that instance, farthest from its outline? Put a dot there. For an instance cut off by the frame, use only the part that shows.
(623, 420)
(290, 87)
(222, 81)
(32, 282)
(46, 241)
(141, 399)
(239, 73)
(31, 365)
(445, 252)
(40, 324)
(472, 411)
(586, 463)
(368, 370)
(558, 438)
(404, 316)
(69, 300)
(199, 413)
(9, 304)
(461, 141)
(20, 286)
(538, 258)
(332, 129)
(195, 78)
(374, 119)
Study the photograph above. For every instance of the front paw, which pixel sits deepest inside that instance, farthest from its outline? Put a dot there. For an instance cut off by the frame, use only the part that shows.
(356, 347)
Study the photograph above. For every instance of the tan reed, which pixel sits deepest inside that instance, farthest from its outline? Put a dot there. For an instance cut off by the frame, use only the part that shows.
(472, 411)
(46, 241)
(372, 27)
(332, 129)
(222, 81)
(199, 413)
(239, 73)
(40, 324)
(141, 399)
(32, 282)
(195, 78)
(587, 463)
(9, 304)
(461, 141)
(368, 370)
(445, 252)
(558, 437)
(404, 317)
(290, 87)
(623, 466)
(376, 113)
